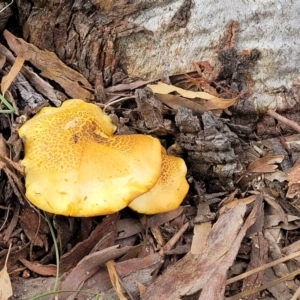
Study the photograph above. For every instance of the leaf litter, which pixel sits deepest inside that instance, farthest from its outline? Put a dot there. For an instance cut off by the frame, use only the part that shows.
(6, 288)
(233, 222)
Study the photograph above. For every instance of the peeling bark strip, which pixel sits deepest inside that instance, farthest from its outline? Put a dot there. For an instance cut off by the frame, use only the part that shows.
(38, 82)
(51, 66)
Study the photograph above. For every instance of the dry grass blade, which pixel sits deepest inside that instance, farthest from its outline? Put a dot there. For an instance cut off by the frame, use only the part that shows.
(296, 295)
(261, 268)
(245, 294)
(264, 267)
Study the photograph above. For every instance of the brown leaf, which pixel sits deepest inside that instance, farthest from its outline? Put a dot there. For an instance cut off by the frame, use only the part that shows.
(293, 178)
(4, 152)
(2, 61)
(13, 223)
(213, 103)
(88, 266)
(35, 227)
(49, 270)
(133, 272)
(219, 103)
(265, 164)
(128, 227)
(5, 284)
(160, 219)
(39, 84)
(9, 78)
(274, 203)
(175, 102)
(6, 289)
(51, 67)
(108, 225)
(235, 202)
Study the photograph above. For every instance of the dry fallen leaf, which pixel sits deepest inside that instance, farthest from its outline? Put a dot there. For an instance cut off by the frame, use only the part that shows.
(175, 102)
(219, 103)
(163, 88)
(141, 287)
(114, 278)
(89, 266)
(235, 202)
(212, 103)
(5, 284)
(293, 178)
(49, 270)
(195, 272)
(265, 164)
(14, 71)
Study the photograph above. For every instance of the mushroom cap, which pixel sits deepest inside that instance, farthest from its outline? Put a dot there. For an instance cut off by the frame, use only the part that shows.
(74, 167)
(168, 192)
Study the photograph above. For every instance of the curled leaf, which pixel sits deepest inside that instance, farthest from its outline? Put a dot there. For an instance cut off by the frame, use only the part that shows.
(14, 71)
(265, 164)
(213, 102)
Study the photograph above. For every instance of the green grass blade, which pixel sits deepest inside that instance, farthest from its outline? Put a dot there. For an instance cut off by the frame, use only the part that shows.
(9, 107)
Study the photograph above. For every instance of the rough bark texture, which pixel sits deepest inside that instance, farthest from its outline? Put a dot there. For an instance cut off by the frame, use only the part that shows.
(213, 151)
(80, 32)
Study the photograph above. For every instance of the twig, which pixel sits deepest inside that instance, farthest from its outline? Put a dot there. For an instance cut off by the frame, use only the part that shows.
(284, 120)
(296, 295)
(268, 285)
(117, 101)
(266, 266)
(169, 245)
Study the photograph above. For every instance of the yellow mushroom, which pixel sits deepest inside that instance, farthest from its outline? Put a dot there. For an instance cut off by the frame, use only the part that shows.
(168, 192)
(75, 167)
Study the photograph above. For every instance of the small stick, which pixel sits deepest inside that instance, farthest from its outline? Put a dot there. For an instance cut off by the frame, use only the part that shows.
(284, 120)
(169, 245)
(117, 101)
